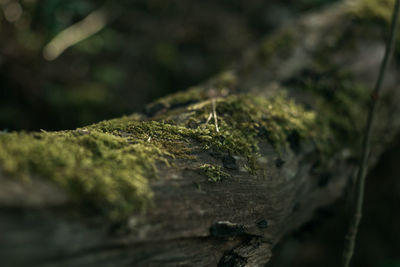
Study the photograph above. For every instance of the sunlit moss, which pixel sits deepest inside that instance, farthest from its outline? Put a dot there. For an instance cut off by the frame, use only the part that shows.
(103, 171)
(244, 118)
(107, 166)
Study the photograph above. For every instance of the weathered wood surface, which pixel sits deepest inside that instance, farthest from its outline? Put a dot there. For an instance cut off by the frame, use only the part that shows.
(236, 222)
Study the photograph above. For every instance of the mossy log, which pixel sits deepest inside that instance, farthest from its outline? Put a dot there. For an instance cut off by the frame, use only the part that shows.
(170, 188)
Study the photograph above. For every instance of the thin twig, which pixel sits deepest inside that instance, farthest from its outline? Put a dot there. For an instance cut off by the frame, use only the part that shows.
(354, 224)
(212, 94)
(209, 118)
(214, 112)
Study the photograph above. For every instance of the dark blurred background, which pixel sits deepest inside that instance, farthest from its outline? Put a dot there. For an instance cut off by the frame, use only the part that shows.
(132, 52)
(320, 242)
(143, 50)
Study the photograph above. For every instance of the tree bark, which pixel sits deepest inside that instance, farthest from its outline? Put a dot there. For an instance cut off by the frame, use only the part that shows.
(237, 220)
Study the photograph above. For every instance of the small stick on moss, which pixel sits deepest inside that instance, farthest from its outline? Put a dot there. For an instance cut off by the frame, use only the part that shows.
(213, 114)
(209, 118)
(360, 186)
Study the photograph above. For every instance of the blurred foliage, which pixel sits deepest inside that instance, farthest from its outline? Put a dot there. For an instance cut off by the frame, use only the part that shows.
(147, 49)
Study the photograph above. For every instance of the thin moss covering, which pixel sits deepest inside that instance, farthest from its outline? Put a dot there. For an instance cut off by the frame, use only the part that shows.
(214, 173)
(107, 166)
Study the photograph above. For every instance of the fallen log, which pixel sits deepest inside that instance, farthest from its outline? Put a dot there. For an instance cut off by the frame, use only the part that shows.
(216, 175)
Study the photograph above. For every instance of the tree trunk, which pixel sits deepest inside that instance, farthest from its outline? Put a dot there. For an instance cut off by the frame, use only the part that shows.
(171, 187)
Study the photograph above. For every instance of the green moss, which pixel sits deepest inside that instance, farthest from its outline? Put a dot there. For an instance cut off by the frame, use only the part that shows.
(107, 166)
(245, 118)
(340, 102)
(214, 173)
(94, 168)
(104, 167)
(217, 86)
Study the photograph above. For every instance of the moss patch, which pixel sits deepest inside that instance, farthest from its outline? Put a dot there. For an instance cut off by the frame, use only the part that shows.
(245, 118)
(106, 167)
(213, 172)
(218, 86)
(340, 103)
(101, 172)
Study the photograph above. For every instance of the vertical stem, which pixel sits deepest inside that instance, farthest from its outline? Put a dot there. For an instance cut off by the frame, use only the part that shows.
(354, 224)
(214, 112)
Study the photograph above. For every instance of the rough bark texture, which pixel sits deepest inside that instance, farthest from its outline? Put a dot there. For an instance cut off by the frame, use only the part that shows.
(236, 221)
